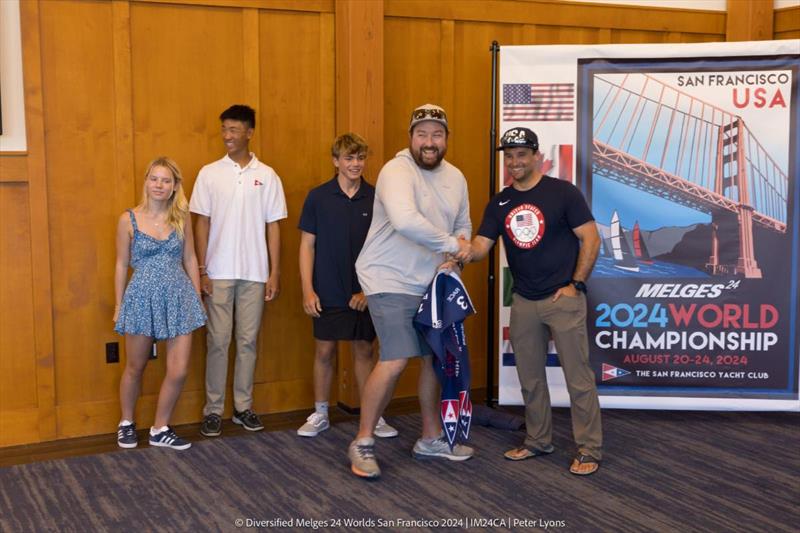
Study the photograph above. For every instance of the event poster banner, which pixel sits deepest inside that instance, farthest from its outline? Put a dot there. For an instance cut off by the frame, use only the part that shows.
(688, 156)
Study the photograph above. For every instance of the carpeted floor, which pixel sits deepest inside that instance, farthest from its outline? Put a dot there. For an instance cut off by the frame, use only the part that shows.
(664, 471)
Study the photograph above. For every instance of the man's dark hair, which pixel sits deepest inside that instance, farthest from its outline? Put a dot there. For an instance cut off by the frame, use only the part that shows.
(242, 113)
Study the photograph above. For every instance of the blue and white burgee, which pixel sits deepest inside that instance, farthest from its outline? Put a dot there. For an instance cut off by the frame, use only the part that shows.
(440, 319)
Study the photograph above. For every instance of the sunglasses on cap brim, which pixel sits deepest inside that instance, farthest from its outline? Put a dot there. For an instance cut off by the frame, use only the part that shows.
(421, 114)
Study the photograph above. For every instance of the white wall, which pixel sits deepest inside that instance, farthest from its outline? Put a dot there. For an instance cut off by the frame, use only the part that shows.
(11, 92)
(711, 5)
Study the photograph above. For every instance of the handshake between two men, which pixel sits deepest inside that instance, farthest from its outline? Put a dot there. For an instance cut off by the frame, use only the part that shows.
(467, 252)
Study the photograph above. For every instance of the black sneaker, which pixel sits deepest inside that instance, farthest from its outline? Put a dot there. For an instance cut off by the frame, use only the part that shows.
(168, 439)
(126, 436)
(212, 425)
(248, 420)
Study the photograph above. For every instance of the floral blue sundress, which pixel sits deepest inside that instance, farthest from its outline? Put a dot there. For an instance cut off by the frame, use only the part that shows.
(160, 301)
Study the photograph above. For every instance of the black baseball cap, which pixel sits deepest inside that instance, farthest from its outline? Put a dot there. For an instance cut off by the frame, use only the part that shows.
(519, 138)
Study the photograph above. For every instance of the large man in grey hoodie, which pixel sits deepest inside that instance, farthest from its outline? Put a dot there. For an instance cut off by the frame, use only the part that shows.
(420, 219)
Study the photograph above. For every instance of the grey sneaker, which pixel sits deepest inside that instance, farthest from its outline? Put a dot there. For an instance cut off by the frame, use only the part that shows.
(315, 424)
(247, 419)
(362, 458)
(384, 430)
(424, 449)
(212, 425)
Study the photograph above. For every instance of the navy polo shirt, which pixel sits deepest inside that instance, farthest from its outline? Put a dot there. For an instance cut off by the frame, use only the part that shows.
(340, 225)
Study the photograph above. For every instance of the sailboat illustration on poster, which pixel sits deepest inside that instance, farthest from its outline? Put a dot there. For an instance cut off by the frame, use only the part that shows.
(639, 247)
(606, 249)
(623, 258)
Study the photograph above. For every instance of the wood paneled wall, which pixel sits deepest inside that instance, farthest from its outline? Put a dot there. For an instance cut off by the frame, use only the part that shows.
(787, 23)
(27, 370)
(110, 85)
(122, 82)
(169, 70)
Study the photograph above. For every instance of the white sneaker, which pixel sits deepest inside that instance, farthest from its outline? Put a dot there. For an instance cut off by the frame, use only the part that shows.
(315, 424)
(384, 430)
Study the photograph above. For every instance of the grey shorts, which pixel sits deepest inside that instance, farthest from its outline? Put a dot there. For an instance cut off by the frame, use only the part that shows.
(393, 315)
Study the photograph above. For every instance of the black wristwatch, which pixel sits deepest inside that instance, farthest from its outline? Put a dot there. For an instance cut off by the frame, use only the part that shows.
(581, 286)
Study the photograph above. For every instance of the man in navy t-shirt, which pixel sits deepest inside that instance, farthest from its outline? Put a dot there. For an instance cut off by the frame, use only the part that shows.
(551, 243)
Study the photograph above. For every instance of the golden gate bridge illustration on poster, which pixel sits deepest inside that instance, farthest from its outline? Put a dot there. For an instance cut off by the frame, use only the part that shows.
(661, 140)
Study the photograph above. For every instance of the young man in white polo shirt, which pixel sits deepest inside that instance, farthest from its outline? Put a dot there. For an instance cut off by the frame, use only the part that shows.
(234, 199)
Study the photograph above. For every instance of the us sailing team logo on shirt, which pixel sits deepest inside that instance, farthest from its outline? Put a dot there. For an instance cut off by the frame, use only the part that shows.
(525, 225)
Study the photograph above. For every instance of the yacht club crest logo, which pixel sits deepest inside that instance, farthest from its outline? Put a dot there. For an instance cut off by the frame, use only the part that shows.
(525, 226)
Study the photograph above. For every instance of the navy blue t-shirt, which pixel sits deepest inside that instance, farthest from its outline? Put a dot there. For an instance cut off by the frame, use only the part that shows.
(536, 226)
(340, 225)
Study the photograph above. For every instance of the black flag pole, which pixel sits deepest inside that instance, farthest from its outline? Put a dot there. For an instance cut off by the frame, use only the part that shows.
(490, 315)
(488, 415)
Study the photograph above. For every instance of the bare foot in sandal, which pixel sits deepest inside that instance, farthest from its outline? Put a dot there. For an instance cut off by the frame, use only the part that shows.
(584, 465)
(526, 452)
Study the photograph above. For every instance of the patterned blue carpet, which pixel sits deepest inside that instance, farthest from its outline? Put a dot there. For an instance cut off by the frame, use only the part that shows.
(664, 471)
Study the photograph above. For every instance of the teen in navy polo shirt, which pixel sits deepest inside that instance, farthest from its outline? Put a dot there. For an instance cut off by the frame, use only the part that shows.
(334, 224)
(551, 243)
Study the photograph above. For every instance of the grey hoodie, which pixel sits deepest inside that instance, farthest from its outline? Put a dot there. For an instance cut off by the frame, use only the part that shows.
(417, 217)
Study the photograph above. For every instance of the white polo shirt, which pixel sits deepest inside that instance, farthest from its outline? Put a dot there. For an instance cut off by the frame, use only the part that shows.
(239, 201)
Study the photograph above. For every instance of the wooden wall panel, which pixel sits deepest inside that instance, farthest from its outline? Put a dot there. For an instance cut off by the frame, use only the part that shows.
(288, 5)
(161, 93)
(27, 307)
(359, 73)
(13, 168)
(297, 113)
(17, 345)
(412, 76)
(177, 96)
(633, 36)
(79, 127)
(358, 61)
(179, 89)
(562, 14)
(786, 23)
(159, 96)
(564, 35)
(749, 20)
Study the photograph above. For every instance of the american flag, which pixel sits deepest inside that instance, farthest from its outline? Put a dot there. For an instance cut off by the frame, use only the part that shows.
(525, 219)
(539, 101)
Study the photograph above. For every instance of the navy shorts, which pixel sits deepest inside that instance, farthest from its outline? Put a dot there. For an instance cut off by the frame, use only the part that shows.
(343, 324)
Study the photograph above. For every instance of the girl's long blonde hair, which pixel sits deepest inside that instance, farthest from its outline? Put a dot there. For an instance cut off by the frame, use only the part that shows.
(177, 206)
